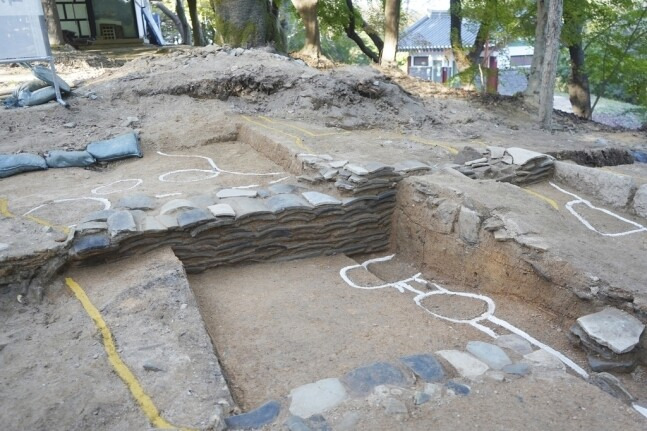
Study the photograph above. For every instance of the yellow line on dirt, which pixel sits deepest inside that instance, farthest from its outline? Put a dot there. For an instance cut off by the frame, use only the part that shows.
(297, 140)
(4, 208)
(546, 199)
(301, 129)
(435, 144)
(43, 222)
(122, 370)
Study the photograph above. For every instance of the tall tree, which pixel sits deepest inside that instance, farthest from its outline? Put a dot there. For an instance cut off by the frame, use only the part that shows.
(179, 10)
(308, 12)
(198, 38)
(391, 31)
(54, 30)
(246, 23)
(549, 65)
(176, 21)
(534, 79)
(579, 93)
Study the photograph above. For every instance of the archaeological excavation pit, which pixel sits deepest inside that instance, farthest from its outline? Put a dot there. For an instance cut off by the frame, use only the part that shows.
(264, 231)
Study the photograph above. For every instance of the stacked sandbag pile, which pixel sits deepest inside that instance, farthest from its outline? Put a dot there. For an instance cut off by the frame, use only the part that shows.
(611, 339)
(117, 148)
(512, 165)
(283, 222)
(357, 178)
(37, 91)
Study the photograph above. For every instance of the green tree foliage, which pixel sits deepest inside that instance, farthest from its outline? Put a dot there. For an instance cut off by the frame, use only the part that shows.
(616, 51)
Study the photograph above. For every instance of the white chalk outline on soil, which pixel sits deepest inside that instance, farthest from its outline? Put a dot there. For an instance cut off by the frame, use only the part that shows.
(579, 200)
(106, 204)
(138, 182)
(215, 170)
(403, 285)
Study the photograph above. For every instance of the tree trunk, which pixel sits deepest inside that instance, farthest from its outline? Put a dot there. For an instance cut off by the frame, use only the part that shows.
(549, 65)
(308, 12)
(391, 31)
(456, 36)
(54, 30)
(245, 23)
(579, 92)
(352, 35)
(534, 79)
(198, 37)
(176, 21)
(186, 35)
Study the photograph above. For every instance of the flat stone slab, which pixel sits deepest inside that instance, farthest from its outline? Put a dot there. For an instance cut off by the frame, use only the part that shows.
(613, 328)
(151, 224)
(544, 359)
(91, 227)
(101, 215)
(222, 210)
(621, 365)
(518, 369)
(515, 343)
(90, 243)
(247, 207)
(193, 217)
(288, 201)
(490, 354)
(316, 398)
(318, 199)
(279, 189)
(458, 388)
(356, 169)
(166, 220)
(263, 415)
(465, 364)
(521, 156)
(121, 222)
(175, 205)
(361, 381)
(424, 366)
(411, 166)
(237, 193)
(136, 202)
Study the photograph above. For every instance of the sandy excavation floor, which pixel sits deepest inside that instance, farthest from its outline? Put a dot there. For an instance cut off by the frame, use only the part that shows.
(310, 325)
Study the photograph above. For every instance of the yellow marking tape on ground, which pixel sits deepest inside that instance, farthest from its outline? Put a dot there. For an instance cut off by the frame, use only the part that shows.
(435, 144)
(298, 141)
(119, 366)
(550, 201)
(301, 129)
(4, 208)
(64, 229)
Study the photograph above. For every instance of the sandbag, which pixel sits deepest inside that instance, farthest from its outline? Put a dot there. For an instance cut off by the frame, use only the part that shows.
(28, 94)
(38, 97)
(120, 147)
(12, 164)
(33, 85)
(45, 74)
(66, 159)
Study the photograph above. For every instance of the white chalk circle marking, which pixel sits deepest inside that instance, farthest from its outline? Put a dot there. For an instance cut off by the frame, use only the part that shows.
(208, 174)
(488, 315)
(136, 182)
(106, 203)
(211, 173)
(578, 200)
